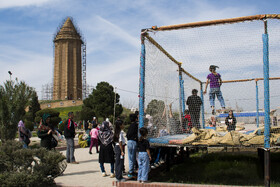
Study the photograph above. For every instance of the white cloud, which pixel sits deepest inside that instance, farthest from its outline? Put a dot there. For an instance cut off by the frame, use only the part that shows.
(21, 3)
(112, 31)
(101, 33)
(35, 69)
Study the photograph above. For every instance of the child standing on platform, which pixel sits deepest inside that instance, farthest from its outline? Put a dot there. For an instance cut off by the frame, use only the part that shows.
(144, 156)
(94, 138)
(215, 84)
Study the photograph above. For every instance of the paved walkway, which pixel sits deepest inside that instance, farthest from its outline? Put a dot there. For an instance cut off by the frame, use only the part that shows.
(87, 173)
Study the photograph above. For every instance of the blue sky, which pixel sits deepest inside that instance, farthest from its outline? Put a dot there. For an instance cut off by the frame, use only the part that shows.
(111, 30)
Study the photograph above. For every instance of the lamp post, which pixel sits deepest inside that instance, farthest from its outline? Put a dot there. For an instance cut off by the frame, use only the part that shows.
(10, 75)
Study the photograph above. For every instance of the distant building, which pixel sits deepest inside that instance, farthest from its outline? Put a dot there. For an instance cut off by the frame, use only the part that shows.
(67, 82)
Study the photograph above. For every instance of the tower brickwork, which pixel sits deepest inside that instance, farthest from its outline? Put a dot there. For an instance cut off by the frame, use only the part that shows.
(67, 82)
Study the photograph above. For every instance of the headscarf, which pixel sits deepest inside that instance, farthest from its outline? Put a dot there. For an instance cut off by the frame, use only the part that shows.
(44, 119)
(44, 125)
(20, 124)
(105, 134)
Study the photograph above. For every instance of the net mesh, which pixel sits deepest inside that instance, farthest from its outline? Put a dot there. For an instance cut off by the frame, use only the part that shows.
(237, 49)
(161, 92)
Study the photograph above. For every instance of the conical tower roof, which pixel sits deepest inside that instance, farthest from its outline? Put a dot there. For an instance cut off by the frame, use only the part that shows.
(67, 31)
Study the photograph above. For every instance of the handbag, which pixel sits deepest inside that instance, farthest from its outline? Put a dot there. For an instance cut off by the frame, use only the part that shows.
(53, 142)
(26, 139)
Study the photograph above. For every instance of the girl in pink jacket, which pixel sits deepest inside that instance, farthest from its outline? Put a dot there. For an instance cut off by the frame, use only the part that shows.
(94, 138)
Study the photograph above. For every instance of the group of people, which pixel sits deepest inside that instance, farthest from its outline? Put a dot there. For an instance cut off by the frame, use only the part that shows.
(112, 149)
(112, 141)
(48, 134)
(192, 115)
(112, 144)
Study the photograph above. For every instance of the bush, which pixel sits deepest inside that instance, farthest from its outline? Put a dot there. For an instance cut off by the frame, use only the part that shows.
(55, 119)
(29, 167)
(28, 116)
(61, 126)
(50, 111)
(38, 119)
(29, 125)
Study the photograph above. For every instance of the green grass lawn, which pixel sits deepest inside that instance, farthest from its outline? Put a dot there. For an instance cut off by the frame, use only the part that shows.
(49, 101)
(64, 111)
(223, 169)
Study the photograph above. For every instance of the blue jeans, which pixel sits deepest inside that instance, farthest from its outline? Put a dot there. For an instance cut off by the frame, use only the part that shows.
(144, 163)
(103, 169)
(70, 150)
(24, 145)
(212, 93)
(131, 148)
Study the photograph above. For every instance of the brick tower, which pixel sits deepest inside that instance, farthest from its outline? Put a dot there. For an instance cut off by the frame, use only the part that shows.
(67, 82)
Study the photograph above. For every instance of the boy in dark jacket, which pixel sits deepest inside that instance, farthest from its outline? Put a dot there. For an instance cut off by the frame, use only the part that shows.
(69, 133)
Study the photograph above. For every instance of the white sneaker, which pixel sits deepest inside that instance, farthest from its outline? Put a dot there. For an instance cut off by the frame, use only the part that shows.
(104, 174)
(112, 175)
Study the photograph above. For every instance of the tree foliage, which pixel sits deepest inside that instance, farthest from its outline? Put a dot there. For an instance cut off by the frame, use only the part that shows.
(55, 119)
(34, 106)
(155, 108)
(87, 113)
(14, 98)
(101, 101)
(29, 125)
(29, 167)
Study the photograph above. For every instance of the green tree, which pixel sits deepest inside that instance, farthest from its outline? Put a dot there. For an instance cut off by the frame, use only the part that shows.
(34, 106)
(14, 98)
(101, 101)
(87, 113)
(29, 125)
(155, 108)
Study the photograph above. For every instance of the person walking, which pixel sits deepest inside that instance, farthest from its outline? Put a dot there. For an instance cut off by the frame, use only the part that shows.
(94, 138)
(106, 153)
(194, 104)
(69, 133)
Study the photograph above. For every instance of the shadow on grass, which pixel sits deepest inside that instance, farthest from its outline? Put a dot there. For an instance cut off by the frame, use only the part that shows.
(221, 168)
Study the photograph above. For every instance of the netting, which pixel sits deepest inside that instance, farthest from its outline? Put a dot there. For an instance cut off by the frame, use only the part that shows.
(161, 93)
(237, 49)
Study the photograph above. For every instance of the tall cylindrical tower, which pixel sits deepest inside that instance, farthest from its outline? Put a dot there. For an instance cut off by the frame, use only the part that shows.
(67, 82)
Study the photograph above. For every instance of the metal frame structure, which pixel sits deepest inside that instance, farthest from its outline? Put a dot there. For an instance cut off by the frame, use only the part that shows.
(84, 68)
(145, 35)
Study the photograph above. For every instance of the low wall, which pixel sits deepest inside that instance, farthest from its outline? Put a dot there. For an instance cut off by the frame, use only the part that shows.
(61, 104)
